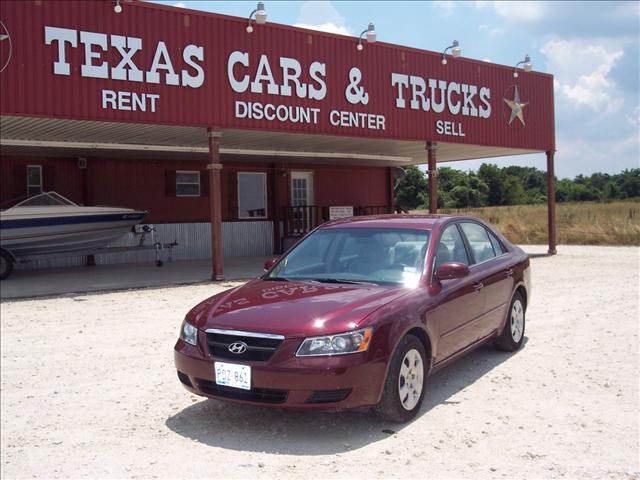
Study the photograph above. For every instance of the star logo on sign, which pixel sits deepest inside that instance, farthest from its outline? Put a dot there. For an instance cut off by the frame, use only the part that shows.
(517, 107)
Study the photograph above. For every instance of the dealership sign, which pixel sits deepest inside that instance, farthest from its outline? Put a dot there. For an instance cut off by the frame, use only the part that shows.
(161, 69)
(456, 98)
(424, 94)
(179, 67)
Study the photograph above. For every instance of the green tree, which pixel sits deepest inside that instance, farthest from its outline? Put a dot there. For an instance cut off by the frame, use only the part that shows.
(612, 191)
(493, 177)
(480, 190)
(564, 190)
(411, 190)
(630, 184)
(512, 185)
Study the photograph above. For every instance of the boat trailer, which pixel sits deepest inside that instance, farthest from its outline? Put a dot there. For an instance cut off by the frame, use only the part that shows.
(142, 231)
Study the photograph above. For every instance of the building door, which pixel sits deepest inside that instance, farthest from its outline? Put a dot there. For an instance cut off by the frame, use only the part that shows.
(302, 201)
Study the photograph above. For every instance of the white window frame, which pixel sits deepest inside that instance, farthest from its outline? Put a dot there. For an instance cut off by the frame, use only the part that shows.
(310, 177)
(189, 183)
(29, 185)
(264, 182)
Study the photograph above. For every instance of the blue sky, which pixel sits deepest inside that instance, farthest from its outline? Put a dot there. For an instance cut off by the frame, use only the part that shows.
(592, 49)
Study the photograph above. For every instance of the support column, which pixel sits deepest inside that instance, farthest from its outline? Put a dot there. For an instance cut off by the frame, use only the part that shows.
(551, 203)
(214, 166)
(433, 184)
(275, 208)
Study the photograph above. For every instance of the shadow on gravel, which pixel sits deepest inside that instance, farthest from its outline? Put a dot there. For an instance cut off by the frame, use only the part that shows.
(271, 430)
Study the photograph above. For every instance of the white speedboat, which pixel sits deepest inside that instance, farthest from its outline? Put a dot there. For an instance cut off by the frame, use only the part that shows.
(51, 224)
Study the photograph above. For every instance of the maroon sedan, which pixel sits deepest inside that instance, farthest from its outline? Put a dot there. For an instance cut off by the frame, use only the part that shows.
(358, 314)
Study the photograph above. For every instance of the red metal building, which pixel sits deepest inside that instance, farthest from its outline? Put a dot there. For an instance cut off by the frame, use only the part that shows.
(255, 135)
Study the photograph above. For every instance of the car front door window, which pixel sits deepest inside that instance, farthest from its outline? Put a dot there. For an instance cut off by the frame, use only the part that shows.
(451, 247)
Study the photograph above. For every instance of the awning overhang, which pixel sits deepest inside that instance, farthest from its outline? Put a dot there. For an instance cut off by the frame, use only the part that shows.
(80, 138)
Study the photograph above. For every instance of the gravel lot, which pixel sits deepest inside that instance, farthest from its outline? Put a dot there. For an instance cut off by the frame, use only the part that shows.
(89, 390)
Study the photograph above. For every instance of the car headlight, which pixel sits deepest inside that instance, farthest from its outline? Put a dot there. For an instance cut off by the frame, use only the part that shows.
(340, 344)
(189, 333)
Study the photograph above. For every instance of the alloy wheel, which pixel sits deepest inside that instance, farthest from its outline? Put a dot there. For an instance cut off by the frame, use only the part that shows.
(411, 379)
(517, 321)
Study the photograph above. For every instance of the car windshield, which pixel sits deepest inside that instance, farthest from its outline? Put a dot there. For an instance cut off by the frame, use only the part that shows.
(355, 255)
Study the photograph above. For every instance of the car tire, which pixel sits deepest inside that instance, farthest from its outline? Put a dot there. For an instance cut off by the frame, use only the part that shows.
(405, 384)
(512, 336)
(6, 264)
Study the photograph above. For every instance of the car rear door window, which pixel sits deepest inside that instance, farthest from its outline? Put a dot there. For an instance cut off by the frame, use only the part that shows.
(497, 246)
(479, 241)
(451, 247)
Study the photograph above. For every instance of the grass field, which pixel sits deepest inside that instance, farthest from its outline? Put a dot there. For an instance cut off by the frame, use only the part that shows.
(584, 223)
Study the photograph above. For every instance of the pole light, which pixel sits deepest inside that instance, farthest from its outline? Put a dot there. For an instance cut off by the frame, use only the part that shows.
(117, 7)
(527, 66)
(260, 14)
(372, 36)
(456, 51)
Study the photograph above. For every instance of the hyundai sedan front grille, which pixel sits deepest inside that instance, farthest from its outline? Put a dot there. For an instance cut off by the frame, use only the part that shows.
(237, 345)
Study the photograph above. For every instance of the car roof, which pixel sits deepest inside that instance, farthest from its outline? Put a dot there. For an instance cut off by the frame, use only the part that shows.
(415, 222)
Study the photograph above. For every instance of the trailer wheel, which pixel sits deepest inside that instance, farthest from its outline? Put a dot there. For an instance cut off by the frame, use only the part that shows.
(6, 264)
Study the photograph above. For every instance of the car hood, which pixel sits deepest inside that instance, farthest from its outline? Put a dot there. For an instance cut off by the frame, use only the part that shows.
(292, 309)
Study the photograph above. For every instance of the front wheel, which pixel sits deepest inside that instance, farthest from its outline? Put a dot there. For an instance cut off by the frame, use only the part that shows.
(404, 387)
(512, 335)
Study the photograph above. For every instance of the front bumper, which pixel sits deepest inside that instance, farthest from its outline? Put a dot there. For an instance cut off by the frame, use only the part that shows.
(339, 382)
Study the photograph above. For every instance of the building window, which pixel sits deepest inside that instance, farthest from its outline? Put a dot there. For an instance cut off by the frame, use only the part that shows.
(34, 179)
(187, 184)
(252, 195)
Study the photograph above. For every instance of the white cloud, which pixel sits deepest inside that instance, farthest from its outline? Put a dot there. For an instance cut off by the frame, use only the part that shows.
(180, 5)
(326, 27)
(491, 31)
(518, 11)
(446, 6)
(581, 71)
(580, 155)
(322, 16)
(633, 118)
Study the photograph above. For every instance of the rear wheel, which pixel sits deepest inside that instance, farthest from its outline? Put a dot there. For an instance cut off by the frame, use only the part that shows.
(512, 335)
(6, 264)
(404, 387)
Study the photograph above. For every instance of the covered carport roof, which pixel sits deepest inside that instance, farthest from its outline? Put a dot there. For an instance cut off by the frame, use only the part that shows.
(83, 138)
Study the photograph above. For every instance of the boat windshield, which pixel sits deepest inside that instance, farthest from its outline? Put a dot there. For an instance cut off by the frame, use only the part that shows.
(45, 199)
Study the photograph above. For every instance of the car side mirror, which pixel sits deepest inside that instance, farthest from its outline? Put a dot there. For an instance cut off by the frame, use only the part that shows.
(451, 270)
(270, 263)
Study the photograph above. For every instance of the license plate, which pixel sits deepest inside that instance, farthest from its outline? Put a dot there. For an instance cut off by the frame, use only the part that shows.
(232, 375)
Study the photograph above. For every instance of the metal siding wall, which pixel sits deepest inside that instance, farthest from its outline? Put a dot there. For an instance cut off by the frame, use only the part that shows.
(239, 239)
(247, 239)
(29, 87)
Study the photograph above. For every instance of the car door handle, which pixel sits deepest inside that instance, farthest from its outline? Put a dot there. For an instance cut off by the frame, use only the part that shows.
(478, 286)
(509, 272)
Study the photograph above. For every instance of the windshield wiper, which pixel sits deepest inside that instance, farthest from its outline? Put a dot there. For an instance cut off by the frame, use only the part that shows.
(340, 280)
(277, 279)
